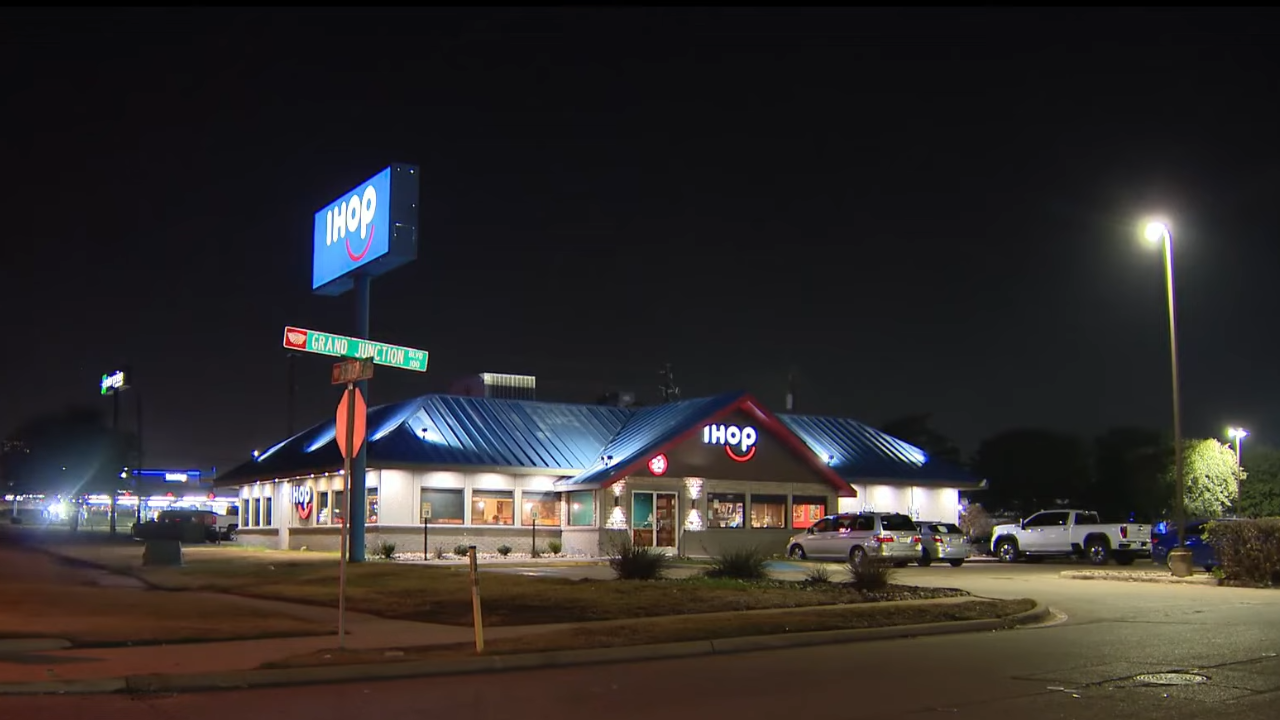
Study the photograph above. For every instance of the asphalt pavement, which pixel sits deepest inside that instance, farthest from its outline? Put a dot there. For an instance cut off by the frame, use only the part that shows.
(1086, 664)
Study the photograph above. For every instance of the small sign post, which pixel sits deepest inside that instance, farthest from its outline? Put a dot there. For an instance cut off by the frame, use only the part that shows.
(475, 600)
(426, 531)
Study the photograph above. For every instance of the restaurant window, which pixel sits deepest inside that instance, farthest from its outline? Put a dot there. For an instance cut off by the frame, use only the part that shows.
(769, 511)
(267, 516)
(493, 507)
(339, 504)
(807, 510)
(322, 511)
(442, 507)
(546, 505)
(582, 509)
(371, 505)
(256, 516)
(726, 510)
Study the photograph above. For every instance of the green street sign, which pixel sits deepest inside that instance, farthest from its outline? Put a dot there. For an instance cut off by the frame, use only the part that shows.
(322, 343)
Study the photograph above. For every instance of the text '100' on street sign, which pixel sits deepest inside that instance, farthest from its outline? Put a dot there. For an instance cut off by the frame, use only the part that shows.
(341, 346)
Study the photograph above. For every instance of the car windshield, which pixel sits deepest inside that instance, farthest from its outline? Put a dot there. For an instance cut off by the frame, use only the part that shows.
(897, 523)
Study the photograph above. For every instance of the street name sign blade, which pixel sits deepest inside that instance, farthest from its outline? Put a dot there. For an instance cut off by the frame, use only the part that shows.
(354, 370)
(358, 421)
(323, 343)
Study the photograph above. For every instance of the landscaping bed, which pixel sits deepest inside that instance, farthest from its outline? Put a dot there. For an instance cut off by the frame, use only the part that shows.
(684, 629)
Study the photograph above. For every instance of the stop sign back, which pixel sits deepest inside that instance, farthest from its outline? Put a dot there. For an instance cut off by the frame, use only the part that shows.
(358, 423)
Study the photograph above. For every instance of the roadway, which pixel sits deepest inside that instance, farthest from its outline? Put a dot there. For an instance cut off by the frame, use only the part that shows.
(1083, 665)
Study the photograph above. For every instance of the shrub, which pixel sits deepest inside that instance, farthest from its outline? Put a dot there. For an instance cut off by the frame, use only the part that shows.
(632, 562)
(504, 550)
(870, 575)
(818, 575)
(977, 525)
(439, 552)
(741, 564)
(1248, 551)
(461, 550)
(555, 546)
(384, 549)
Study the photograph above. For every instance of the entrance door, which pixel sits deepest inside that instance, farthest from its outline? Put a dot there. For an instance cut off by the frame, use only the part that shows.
(654, 519)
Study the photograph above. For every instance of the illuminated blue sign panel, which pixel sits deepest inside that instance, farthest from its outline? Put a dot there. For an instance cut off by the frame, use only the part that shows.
(368, 230)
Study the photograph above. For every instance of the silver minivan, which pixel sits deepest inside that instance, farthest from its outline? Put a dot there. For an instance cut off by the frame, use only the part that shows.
(858, 536)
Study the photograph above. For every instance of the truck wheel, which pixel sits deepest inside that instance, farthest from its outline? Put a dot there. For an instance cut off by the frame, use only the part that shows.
(1123, 558)
(1098, 552)
(1007, 550)
(231, 534)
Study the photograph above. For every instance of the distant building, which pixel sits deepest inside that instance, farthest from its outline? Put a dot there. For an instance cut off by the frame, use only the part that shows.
(497, 385)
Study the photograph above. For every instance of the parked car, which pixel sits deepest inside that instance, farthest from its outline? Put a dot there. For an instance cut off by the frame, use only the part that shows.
(858, 536)
(942, 541)
(1164, 537)
(1077, 533)
(183, 525)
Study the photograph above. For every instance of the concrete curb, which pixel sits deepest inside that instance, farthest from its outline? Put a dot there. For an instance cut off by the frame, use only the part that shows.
(240, 679)
(1138, 576)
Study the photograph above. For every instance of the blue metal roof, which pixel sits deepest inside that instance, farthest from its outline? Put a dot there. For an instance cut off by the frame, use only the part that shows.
(448, 430)
(444, 430)
(648, 428)
(860, 453)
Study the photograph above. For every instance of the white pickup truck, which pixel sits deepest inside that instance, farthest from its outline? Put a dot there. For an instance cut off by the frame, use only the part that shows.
(1071, 532)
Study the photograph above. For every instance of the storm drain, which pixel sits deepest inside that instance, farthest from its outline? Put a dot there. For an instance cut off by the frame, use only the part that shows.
(1170, 678)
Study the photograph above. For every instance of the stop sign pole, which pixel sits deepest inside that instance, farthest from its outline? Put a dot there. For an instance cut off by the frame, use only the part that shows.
(349, 442)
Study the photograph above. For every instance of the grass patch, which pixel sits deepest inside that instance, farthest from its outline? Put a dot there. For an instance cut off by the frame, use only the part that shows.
(442, 594)
(680, 629)
(89, 616)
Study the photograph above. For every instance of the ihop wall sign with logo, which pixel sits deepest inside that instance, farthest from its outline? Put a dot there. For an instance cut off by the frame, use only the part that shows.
(369, 229)
(739, 442)
(304, 500)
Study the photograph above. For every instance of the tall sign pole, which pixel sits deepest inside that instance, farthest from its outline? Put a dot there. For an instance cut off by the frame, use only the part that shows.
(358, 487)
(365, 232)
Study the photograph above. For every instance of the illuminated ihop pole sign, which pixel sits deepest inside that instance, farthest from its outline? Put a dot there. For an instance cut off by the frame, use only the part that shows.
(114, 382)
(369, 229)
(739, 442)
(304, 498)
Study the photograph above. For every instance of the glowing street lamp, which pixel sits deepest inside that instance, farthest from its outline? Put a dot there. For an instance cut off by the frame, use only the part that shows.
(1237, 434)
(1157, 231)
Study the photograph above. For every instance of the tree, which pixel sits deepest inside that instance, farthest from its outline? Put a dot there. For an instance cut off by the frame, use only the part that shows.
(1211, 476)
(1260, 487)
(1129, 467)
(1030, 469)
(918, 430)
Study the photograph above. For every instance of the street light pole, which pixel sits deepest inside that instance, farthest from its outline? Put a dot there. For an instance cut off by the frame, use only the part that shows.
(1158, 231)
(1237, 434)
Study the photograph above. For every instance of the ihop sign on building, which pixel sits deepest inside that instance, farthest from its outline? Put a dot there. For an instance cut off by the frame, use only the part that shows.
(739, 442)
(370, 229)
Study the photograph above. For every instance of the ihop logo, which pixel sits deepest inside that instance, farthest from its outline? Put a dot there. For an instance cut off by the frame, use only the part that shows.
(304, 499)
(353, 230)
(739, 442)
(355, 213)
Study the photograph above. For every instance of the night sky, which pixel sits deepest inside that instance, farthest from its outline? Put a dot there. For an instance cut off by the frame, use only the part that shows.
(919, 211)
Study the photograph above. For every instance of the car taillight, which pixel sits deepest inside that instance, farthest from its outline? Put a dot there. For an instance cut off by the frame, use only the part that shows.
(884, 538)
(915, 538)
(1124, 531)
(936, 538)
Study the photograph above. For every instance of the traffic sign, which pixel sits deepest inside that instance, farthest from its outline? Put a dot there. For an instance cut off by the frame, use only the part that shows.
(323, 343)
(351, 423)
(349, 371)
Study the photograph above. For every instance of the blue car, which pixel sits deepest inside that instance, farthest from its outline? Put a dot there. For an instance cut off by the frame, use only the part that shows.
(1164, 537)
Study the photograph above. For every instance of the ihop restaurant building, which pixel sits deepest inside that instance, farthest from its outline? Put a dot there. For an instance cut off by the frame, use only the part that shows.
(695, 477)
